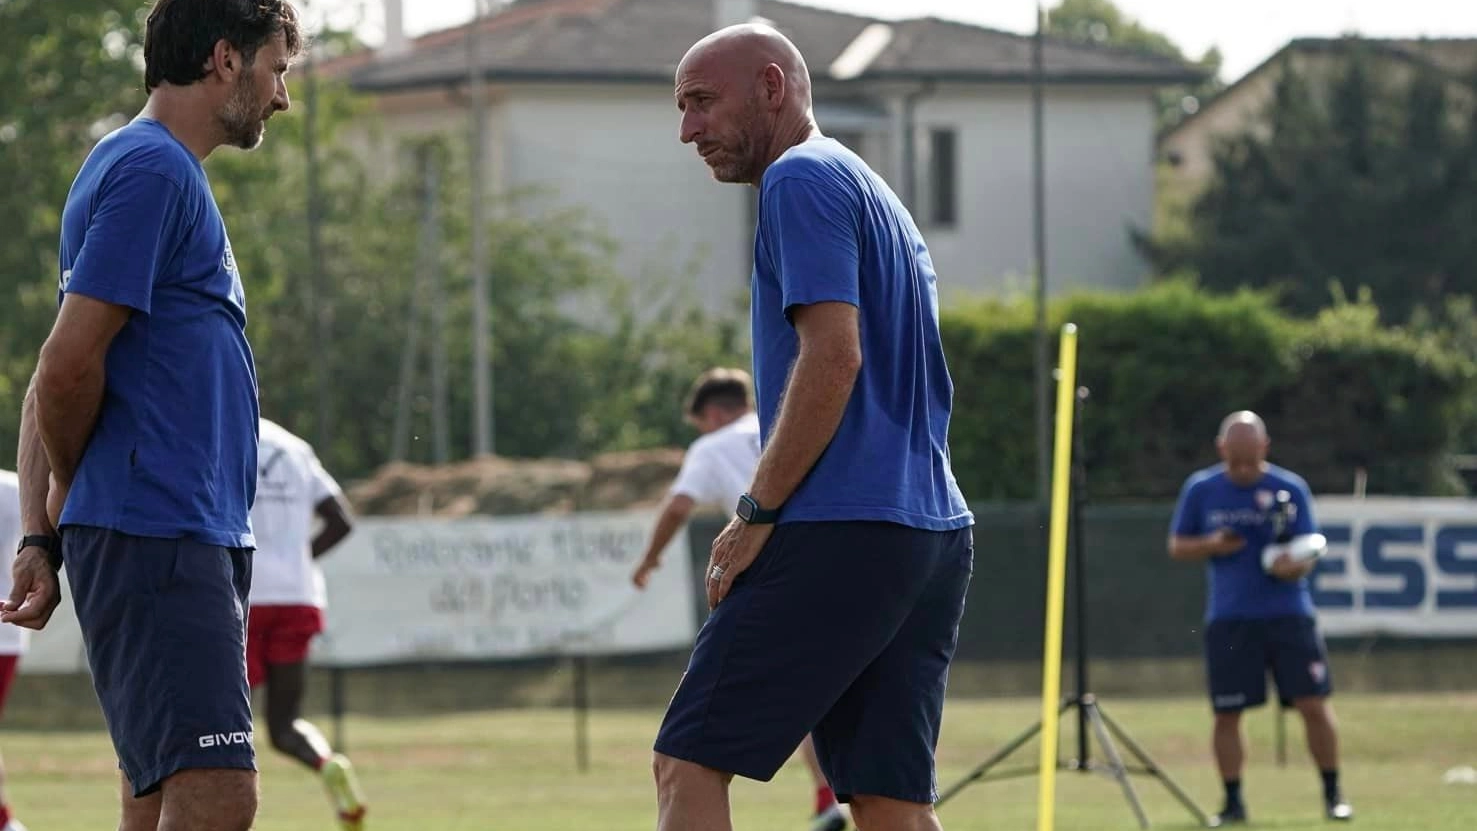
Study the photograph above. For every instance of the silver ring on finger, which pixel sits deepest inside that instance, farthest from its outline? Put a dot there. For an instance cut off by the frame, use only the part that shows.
(716, 573)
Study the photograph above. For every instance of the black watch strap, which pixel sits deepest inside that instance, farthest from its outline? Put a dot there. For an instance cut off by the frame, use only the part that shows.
(50, 544)
(749, 511)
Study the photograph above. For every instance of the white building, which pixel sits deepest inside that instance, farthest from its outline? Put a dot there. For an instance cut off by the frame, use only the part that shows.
(579, 97)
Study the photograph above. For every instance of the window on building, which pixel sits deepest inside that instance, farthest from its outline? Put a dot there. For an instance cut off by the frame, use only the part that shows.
(943, 178)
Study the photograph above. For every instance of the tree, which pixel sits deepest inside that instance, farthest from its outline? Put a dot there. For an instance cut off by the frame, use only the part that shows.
(1350, 180)
(568, 384)
(71, 72)
(1100, 21)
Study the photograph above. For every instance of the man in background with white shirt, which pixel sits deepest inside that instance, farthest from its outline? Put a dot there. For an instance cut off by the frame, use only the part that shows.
(288, 598)
(718, 466)
(716, 470)
(13, 639)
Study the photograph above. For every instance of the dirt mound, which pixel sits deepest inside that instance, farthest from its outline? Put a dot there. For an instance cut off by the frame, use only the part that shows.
(495, 486)
(626, 480)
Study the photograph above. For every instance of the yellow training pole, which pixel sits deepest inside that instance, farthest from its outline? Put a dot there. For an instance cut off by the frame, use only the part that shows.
(1051, 678)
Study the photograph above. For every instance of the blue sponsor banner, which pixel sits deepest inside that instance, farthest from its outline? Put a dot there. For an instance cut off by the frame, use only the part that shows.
(1403, 567)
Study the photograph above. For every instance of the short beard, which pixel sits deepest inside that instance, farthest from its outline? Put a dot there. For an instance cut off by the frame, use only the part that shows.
(242, 122)
(744, 166)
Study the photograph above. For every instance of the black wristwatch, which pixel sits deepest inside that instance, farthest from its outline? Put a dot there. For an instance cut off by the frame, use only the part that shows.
(749, 511)
(51, 545)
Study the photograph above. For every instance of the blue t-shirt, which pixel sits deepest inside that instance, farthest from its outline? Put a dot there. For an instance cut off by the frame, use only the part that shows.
(831, 230)
(174, 451)
(1238, 588)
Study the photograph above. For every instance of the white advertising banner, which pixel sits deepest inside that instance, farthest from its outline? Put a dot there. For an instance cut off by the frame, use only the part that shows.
(1395, 566)
(484, 588)
(408, 589)
(403, 589)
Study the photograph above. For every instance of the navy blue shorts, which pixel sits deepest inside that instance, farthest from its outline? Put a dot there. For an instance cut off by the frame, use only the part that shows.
(840, 629)
(1239, 653)
(164, 622)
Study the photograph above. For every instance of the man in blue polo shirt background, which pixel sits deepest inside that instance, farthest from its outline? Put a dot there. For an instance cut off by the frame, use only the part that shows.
(1258, 618)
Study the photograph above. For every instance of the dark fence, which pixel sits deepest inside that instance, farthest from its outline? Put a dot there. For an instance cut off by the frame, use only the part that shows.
(1140, 604)
(1143, 622)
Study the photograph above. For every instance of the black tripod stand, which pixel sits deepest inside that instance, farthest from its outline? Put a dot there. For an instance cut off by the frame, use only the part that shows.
(1090, 715)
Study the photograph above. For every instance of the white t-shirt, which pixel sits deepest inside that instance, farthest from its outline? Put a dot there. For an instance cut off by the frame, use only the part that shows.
(13, 639)
(719, 467)
(290, 483)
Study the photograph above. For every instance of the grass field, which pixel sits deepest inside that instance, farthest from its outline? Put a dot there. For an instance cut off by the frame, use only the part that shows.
(515, 770)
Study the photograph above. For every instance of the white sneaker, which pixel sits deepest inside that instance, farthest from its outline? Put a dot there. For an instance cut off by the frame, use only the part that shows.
(13, 825)
(343, 787)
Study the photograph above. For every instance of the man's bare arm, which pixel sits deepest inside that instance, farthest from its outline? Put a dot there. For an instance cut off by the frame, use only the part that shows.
(675, 511)
(1191, 548)
(815, 398)
(35, 590)
(70, 379)
(336, 525)
(33, 470)
(1188, 549)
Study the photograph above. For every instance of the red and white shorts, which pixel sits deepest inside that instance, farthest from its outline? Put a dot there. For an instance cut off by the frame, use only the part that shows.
(8, 663)
(279, 635)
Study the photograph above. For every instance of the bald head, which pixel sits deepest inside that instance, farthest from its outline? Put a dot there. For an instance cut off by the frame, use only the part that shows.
(746, 50)
(744, 93)
(1243, 442)
(1243, 423)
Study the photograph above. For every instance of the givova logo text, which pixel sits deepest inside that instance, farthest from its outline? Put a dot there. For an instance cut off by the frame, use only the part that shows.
(222, 739)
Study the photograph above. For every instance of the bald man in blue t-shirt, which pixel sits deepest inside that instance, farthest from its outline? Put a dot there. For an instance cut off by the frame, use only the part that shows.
(838, 589)
(1258, 618)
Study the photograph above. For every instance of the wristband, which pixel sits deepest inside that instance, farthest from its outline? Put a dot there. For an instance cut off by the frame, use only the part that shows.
(50, 544)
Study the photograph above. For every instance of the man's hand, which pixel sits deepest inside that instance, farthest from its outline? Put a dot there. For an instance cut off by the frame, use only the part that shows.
(56, 499)
(36, 593)
(734, 551)
(643, 571)
(1224, 541)
(1283, 568)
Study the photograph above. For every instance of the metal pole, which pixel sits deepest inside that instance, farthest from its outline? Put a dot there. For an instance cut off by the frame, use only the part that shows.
(314, 295)
(481, 313)
(582, 712)
(340, 706)
(1281, 735)
(410, 353)
(440, 440)
(1079, 566)
(1043, 369)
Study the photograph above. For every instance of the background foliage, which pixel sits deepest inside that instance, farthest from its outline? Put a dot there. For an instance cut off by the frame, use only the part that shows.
(568, 382)
(1357, 181)
(1164, 366)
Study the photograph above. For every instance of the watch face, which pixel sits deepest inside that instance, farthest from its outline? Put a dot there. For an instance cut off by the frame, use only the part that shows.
(745, 508)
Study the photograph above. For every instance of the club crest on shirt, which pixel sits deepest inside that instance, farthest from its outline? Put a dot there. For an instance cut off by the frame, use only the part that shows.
(1264, 499)
(228, 262)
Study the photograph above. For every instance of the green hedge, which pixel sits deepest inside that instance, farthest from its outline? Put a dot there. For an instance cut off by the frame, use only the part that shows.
(1166, 364)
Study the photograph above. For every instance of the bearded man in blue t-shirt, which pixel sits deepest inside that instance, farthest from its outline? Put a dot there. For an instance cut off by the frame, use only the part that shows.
(139, 433)
(1259, 615)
